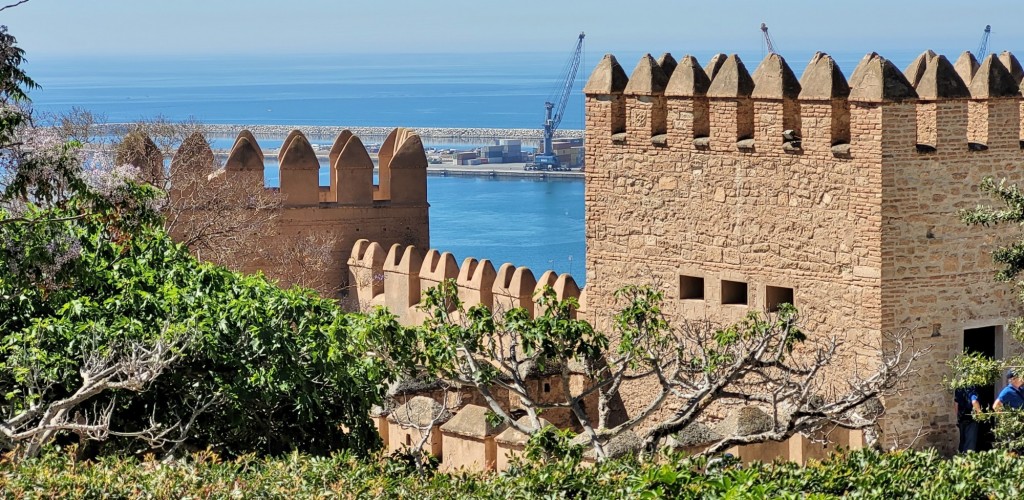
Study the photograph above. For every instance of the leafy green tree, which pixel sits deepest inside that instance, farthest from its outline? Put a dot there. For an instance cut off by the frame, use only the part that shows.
(111, 331)
(765, 360)
(976, 370)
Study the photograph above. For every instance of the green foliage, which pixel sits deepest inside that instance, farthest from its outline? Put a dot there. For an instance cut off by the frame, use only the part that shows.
(288, 368)
(860, 475)
(87, 269)
(1010, 257)
(451, 335)
(640, 323)
(551, 443)
(13, 80)
(1007, 428)
(972, 370)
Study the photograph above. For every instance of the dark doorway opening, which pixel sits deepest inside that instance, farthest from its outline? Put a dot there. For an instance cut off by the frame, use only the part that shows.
(985, 341)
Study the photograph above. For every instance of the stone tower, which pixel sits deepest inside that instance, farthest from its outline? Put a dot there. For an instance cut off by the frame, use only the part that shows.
(735, 191)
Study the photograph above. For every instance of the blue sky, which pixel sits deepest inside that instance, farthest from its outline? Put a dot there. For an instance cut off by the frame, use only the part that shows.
(207, 27)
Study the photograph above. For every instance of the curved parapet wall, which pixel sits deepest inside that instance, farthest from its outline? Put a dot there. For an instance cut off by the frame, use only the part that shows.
(138, 150)
(403, 168)
(402, 164)
(398, 279)
(309, 218)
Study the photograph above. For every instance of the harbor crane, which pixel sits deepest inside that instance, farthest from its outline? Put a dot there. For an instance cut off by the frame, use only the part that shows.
(983, 46)
(555, 108)
(767, 39)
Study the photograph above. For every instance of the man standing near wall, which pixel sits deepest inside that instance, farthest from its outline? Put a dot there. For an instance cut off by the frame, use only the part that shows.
(966, 403)
(1011, 396)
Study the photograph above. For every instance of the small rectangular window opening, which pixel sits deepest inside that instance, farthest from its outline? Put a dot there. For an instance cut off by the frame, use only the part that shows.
(775, 295)
(734, 292)
(691, 288)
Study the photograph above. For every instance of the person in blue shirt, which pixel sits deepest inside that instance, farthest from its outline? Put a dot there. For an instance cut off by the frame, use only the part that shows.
(967, 405)
(1012, 396)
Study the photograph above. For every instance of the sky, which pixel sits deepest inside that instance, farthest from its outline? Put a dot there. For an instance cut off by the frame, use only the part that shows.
(219, 27)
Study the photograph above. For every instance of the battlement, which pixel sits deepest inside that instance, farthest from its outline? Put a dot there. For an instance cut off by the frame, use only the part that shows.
(352, 206)
(402, 176)
(722, 107)
(397, 277)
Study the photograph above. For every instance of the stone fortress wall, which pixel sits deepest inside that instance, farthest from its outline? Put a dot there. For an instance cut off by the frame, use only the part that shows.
(393, 209)
(733, 192)
(736, 192)
(396, 279)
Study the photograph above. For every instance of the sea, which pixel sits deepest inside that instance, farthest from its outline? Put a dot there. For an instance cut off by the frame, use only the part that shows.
(528, 222)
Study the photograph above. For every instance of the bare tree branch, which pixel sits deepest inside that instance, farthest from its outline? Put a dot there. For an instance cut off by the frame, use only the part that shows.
(11, 6)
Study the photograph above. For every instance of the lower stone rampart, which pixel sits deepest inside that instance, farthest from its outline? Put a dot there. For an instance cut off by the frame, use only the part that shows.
(397, 277)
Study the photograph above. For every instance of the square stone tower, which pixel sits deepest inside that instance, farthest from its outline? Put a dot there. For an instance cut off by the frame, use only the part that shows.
(735, 192)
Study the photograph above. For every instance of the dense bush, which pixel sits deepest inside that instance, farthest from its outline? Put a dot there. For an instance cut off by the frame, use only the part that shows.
(863, 474)
(287, 368)
(91, 285)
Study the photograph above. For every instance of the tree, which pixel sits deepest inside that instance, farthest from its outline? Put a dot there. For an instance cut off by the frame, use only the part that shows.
(764, 360)
(974, 370)
(109, 330)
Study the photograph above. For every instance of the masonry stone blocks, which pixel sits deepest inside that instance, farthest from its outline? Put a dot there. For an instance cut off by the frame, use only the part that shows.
(838, 196)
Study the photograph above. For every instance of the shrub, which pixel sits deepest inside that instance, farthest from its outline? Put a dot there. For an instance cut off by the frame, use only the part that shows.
(861, 474)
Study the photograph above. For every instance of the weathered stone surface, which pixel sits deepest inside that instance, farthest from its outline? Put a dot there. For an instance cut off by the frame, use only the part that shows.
(1012, 65)
(607, 78)
(992, 80)
(966, 66)
(245, 155)
(647, 78)
(744, 421)
(858, 223)
(420, 411)
(688, 79)
(915, 70)
(939, 80)
(472, 421)
(193, 155)
(339, 144)
(731, 80)
(251, 138)
(773, 79)
(352, 174)
(667, 63)
(310, 214)
(511, 436)
(623, 444)
(877, 80)
(714, 65)
(287, 140)
(823, 80)
(695, 434)
(299, 154)
(138, 150)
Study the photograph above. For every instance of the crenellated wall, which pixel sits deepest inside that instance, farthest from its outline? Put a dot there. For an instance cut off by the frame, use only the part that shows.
(396, 278)
(353, 206)
(735, 191)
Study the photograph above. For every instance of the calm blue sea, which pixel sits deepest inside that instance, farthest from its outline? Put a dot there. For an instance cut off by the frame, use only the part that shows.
(533, 223)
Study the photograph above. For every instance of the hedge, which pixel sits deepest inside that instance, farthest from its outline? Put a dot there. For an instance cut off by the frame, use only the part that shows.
(860, 474)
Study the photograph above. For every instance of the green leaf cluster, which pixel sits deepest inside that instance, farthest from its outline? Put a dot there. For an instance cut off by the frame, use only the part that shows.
(863, 474)
(86, 269)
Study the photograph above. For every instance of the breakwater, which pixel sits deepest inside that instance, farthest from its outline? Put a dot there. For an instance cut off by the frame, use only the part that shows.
(431, 133)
